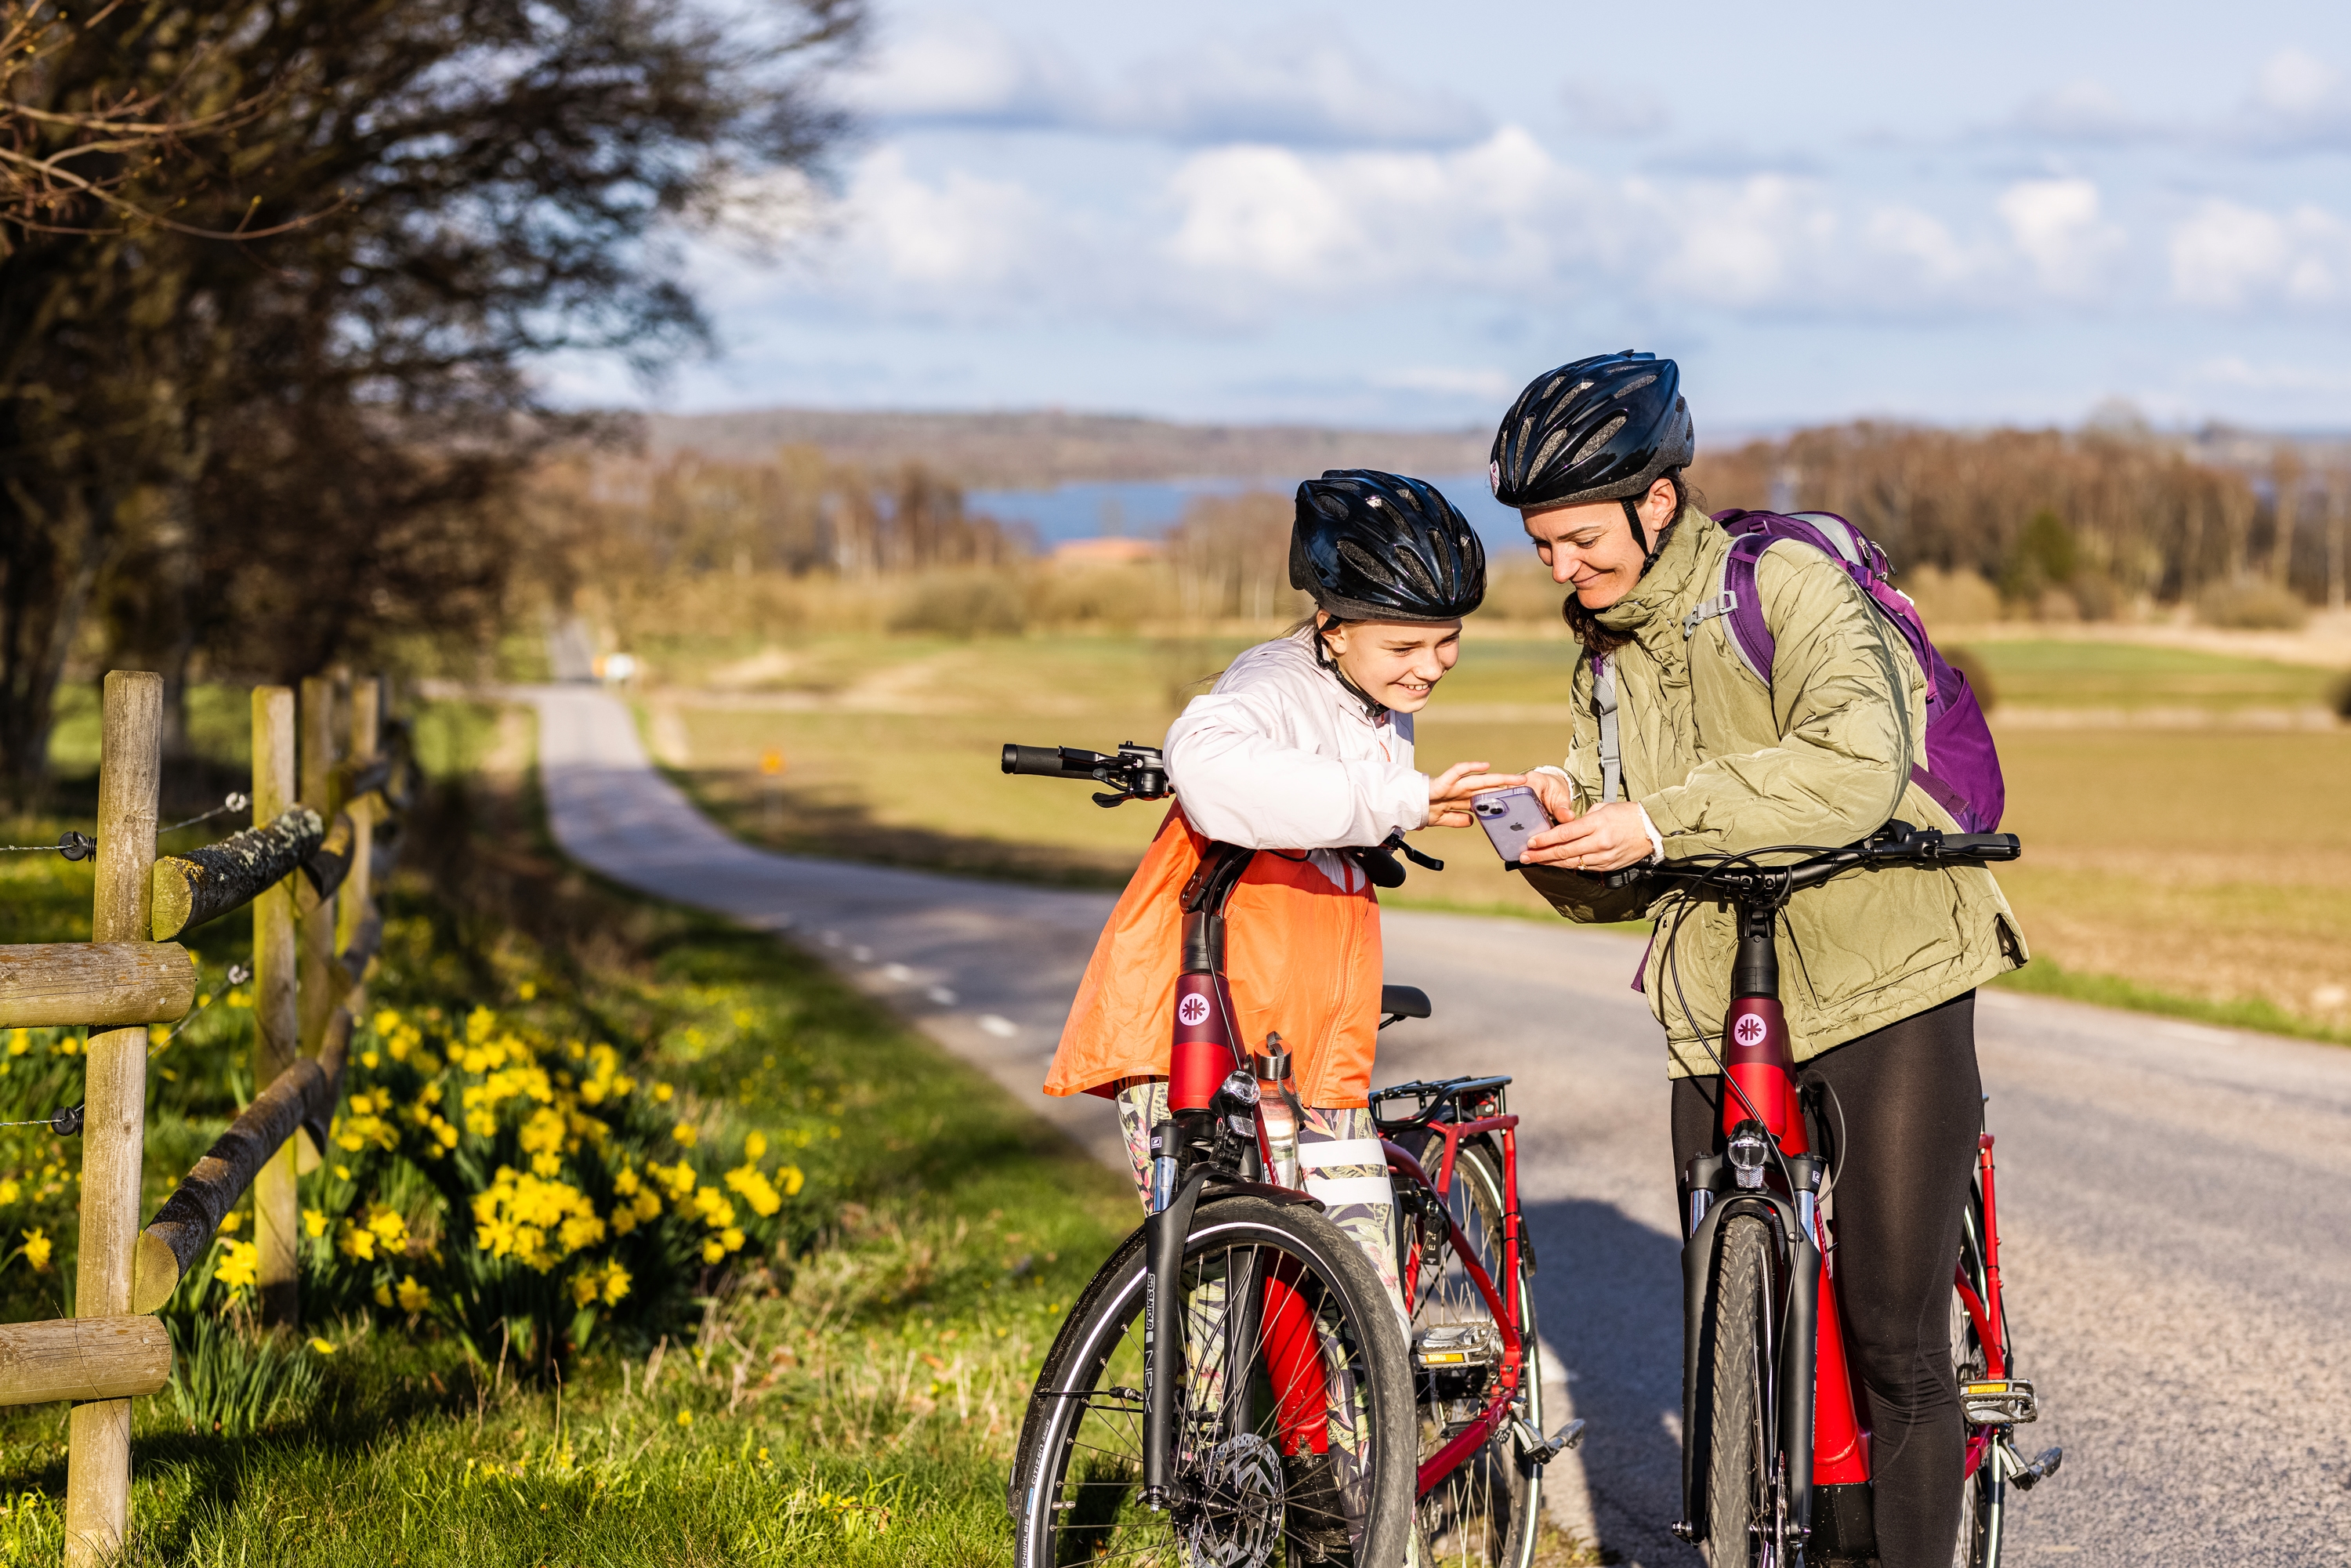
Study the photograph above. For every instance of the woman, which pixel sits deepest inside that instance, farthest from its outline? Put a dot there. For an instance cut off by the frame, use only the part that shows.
(1303, 749)
(1700, 757)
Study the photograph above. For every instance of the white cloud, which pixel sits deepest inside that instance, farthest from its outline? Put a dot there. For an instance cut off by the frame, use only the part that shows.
(2226, 257)
(1296, 88)
(2292, 82)
(2058, 227)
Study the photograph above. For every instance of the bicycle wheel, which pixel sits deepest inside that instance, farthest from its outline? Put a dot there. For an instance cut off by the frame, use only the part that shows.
(1733, 1416)
(1485, 1514)
(1294, 1435)
(1982, 1495)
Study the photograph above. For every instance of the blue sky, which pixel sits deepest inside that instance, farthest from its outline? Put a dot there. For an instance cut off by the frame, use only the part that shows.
(1396, 214)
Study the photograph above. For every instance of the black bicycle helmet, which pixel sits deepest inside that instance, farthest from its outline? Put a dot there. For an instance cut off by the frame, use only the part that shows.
(1379, 547)
(1601, 429)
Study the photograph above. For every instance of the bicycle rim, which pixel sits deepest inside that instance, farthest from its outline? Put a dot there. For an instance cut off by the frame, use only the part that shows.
(1485, 1514)
(1274, 1471)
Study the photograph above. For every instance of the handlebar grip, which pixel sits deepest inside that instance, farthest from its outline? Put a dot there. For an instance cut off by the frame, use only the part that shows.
(1038, 759)
(1053, 761)
(1983, 846)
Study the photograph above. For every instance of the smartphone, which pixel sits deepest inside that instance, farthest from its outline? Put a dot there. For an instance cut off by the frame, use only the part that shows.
(1511, 817)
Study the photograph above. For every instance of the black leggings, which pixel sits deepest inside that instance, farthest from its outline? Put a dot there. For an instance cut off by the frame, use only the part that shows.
(1903, 1153)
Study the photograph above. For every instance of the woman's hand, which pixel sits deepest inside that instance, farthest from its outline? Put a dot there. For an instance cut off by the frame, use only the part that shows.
(1449, 792)
(1604, 839)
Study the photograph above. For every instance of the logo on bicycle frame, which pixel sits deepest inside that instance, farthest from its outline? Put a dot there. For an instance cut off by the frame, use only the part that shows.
(1748, 1029)
(1192, 1011)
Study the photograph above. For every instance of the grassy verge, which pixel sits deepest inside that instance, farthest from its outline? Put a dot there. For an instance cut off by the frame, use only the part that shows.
(2047, 977)
(849, 1395)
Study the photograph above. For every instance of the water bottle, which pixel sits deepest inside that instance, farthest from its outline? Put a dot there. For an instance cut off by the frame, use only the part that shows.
(1277, 1108)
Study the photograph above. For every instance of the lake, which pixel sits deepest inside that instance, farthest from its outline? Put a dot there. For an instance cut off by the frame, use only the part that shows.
(1147, 508)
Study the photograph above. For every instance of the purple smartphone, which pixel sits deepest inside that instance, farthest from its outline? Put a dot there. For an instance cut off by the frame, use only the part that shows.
(1511, 817)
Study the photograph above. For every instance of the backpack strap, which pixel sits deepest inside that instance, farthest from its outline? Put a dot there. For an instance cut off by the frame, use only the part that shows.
(1612, 750)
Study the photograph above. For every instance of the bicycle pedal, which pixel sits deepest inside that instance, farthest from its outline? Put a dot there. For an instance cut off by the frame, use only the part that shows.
(1999, 1402)
(2040, 1469)
(1534, 1451)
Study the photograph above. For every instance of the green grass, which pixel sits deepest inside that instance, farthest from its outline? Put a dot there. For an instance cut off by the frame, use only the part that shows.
(2047, 977)
(851, 1400)
(2086, 674)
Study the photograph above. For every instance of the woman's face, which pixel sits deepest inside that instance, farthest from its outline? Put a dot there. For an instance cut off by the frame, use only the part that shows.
(1589, 546)
(1395, 662)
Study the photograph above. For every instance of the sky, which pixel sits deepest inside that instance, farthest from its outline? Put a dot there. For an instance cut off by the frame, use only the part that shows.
(1397, 215)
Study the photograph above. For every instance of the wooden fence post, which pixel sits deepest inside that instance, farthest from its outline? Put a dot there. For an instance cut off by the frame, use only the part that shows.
(367, 729)
(315, 990)
(129, 773)
(277, 1205)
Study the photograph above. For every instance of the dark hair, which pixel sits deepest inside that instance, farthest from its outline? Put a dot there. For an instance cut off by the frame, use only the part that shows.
(1584, 625)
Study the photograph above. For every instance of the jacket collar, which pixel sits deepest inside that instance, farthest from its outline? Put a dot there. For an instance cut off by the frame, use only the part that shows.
(1671, 579)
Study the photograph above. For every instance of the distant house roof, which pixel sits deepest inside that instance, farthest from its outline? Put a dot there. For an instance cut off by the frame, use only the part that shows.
(1104, 552)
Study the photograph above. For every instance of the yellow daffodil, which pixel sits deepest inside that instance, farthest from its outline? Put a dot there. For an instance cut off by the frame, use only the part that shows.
(37, 1247)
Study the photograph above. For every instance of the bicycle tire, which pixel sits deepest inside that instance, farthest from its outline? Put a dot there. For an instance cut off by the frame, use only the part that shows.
(1983, 1496)
(1078, 1466)
(1732, 1417)
(1488, 1513)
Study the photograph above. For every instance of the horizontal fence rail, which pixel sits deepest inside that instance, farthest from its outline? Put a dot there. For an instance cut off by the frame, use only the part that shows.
(207, 883)
(104, 984)
(304, 1095)
(83, 1359)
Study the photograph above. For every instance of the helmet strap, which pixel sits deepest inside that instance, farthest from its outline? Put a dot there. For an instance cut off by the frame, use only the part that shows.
(1633, 515)
(1373, 706)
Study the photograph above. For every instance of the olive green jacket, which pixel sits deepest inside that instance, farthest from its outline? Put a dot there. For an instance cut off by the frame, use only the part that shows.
(1823, 756)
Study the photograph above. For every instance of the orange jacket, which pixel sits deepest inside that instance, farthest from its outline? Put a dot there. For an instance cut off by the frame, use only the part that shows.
(1302, 956)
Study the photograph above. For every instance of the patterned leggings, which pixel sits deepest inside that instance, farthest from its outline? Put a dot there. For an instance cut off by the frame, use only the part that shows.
(1339, 1152)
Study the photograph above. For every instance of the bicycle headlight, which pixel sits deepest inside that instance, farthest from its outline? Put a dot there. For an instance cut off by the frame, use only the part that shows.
(1748, 1148)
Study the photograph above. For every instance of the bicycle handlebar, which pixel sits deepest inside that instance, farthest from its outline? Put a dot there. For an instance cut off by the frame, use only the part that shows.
(1896, 843)
(1133, 773)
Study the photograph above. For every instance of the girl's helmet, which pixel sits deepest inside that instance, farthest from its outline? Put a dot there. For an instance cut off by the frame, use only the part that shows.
(1601, 429)
(1379, 547)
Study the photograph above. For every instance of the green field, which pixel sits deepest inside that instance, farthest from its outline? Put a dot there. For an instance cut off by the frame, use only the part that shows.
(2204, 866)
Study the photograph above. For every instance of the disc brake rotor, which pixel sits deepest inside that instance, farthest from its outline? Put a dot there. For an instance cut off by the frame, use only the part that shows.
(1239, 1517)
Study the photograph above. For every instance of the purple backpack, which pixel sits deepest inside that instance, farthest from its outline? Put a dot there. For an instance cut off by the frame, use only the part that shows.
(1962, 772)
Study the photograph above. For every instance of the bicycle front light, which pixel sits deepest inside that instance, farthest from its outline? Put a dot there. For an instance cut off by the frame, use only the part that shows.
(1748, 1148)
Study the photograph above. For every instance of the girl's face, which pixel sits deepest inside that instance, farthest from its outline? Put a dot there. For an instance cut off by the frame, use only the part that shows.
(1395, 662)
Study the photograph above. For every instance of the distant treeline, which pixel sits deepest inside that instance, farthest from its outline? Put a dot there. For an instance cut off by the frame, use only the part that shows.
(2106, 519)
(2090, 524)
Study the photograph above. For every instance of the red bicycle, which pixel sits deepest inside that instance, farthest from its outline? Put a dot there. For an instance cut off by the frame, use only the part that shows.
(1775, 1456)
(1233, 1387)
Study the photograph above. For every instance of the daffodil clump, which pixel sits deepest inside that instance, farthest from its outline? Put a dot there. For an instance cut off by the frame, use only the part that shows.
(552, 1178)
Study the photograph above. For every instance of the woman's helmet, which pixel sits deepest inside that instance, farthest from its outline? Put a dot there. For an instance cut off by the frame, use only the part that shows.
(1601, 429)
(1379, 547)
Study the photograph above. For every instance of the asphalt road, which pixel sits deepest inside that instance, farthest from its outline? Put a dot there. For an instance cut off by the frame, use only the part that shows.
(2175, 1200)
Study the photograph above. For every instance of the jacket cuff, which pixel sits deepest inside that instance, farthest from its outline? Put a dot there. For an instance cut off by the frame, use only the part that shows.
(1657, 844)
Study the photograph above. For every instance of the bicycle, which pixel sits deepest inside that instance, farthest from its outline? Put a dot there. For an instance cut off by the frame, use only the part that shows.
(1764, 1357)
(1233, 1387)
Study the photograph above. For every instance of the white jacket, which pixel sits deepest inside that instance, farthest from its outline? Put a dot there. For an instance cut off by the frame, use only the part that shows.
(1279, 755)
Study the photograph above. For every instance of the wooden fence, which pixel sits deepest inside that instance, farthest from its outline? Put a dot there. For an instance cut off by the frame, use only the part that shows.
(305, 866)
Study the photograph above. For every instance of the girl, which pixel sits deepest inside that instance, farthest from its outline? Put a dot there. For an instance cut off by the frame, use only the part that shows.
(1304, 749)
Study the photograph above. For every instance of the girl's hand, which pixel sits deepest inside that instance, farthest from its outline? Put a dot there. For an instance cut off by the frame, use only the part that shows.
(1553, 791)
(1604, 839)
(1449, 792)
